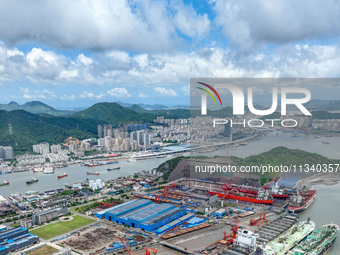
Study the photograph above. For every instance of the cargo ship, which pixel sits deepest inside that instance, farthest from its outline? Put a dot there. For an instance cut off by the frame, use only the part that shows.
(115, 168)
(32, 181)
(301, 201)
(263, 196)
(89, 173)
(288, 239)
(7, 170)
(62, 176)
(319, 242)
(37, 169)
(276, 190)
(93, 164)
(4, 183)
(48, 170)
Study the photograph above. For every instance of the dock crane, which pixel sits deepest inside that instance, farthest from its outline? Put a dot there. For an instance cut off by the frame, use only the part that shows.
(171, 187)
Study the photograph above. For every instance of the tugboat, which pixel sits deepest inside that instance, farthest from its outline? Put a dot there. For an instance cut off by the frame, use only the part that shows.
(4, 183)
(32, 181)
(301, 201)
(62, 176)
(278, 192)
(115, 168)
(319, 242)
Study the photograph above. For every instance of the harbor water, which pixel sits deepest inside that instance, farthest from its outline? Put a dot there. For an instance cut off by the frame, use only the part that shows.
(76, 173)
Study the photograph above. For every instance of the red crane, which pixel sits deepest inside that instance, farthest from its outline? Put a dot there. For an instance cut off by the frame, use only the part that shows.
(226, 185)
(165, 193)
(124, 244)
(149, 250)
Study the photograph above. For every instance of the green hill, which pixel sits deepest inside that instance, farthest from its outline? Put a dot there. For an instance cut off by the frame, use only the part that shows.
(282, 155)
(21, 129)
(34, 107)
(138, 109)
(325, 115)
(112, 113)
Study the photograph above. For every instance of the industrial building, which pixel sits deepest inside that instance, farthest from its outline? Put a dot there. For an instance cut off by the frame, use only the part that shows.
(48, 215)
(143, 214)
(15, 239)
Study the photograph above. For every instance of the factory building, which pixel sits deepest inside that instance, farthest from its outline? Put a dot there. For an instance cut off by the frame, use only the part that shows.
(15, 239)
(143, 214)
(50, 214)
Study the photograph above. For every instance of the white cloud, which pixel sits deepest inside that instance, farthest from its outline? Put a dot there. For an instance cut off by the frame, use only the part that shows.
(165, 92)
(84, 60)
(119, 92)
(164, 70)
(143, 95)
(91, 95)
(249, 23)
(68, 97)
(101, 24)
(36, 94)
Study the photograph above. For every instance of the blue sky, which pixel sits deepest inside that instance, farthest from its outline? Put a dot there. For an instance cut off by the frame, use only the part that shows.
(72, 54)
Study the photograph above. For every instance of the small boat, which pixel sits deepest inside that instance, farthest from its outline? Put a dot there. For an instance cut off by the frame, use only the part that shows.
(112, 162)
(325, 142)
(62, 176)
(89, 173)
(32, 181)
(4, 183)
(115, 168)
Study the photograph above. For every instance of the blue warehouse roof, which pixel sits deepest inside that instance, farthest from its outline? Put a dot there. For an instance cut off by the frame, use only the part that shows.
(142, 213)
(153, 212)
(128, 207)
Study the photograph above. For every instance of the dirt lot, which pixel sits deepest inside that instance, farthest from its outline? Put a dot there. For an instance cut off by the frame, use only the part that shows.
(96, 238)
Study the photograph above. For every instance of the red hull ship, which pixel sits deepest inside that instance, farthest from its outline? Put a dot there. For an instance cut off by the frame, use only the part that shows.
(93, 164)
(62, 176)
(302, 201)
(243, 197)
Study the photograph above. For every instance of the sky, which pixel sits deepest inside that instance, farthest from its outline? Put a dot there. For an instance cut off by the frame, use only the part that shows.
(72, 54)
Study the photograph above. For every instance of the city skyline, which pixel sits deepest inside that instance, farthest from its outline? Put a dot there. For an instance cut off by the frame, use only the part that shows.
(146, 52)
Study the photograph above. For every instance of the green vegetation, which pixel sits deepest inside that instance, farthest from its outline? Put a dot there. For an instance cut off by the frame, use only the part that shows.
(85, 208)
(34, 107)
(62, 227)
(323, 115)
(66, 193)
(168, 166)
(113, 113)
(21, 129)
(282, 156)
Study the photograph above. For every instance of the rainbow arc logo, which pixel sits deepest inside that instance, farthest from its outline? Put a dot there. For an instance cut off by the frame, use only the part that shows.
(209, 93)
